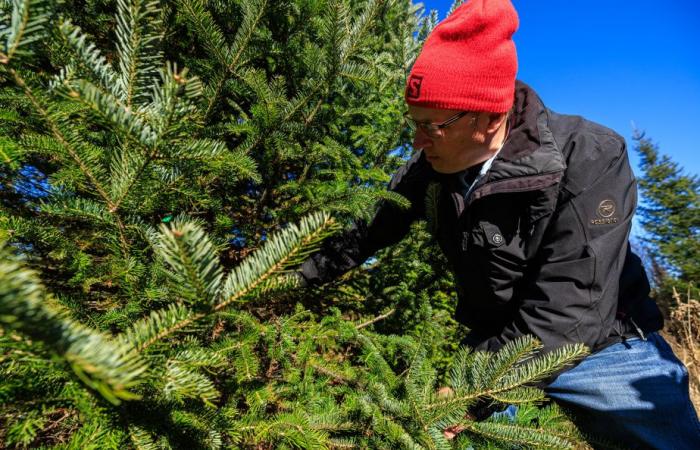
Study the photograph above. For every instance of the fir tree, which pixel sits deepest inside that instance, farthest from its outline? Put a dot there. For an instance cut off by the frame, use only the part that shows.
(152, 217)
(670, 215)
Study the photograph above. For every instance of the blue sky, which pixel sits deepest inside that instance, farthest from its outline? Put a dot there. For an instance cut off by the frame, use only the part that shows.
(614, 62)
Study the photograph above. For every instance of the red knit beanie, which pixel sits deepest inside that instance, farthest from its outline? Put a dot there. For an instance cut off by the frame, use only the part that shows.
(469, 61)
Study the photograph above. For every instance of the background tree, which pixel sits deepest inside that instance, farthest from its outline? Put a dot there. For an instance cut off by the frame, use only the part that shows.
(670, 216)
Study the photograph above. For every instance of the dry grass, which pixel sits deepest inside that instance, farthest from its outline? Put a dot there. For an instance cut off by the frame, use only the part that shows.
(683, 334)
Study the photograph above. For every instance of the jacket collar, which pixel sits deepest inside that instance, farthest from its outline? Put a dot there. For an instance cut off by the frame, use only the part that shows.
(530, 158)
(524, 137)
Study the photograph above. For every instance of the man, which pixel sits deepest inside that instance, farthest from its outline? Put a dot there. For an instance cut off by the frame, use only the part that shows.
(533, 215)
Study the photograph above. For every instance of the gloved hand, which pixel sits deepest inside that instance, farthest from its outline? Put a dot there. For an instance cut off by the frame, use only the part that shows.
(301, 280)
(484, 408)
(481, 410)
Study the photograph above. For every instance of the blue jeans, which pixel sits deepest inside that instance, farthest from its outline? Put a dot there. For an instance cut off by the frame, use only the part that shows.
(634, 394)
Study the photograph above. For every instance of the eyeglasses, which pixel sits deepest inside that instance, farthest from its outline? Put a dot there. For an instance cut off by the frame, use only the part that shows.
(433, 130)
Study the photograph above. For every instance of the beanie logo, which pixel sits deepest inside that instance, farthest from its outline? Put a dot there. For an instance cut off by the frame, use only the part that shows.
(413, 87)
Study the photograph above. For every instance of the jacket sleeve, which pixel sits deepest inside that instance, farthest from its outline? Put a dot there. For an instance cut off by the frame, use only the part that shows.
(390, 224)
(570, 288)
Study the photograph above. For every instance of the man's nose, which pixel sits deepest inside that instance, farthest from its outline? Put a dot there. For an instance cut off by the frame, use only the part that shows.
(421, 140)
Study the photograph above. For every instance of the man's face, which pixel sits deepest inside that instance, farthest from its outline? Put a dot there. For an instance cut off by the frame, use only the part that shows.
(462, 144)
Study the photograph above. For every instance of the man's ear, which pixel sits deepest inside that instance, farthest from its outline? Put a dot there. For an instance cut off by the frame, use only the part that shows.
(489, 123)
(495, 121)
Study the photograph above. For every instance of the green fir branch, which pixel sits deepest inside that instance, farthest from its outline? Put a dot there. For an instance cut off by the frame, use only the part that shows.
(246, 364)
(198, 357)
(530, 437)
(125, 167)
(54, 120)
(511, 354)
(518, 395)
(294, 430)
(27, 24)
(112, 111)
(10, 153)
(138, 38)
(71, 208)
(212, 38)
(348, 50)
(253, 13)
(237, 162)
(110, 367)
(23, 430)
(91, 57)
(182, 382)
(156, 326)
(542, 366)
(142, 439)
(283, 251)
(195, 275)
(214, 42)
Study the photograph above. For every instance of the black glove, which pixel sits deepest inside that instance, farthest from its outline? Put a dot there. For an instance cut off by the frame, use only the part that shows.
(484, 408)
(301, 280)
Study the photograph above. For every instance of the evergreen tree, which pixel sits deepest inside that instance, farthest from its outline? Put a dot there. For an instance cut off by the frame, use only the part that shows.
(670, 215)
(151, 220)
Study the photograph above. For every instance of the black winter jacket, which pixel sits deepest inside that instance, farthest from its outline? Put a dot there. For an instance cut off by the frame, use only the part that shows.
(540, 246)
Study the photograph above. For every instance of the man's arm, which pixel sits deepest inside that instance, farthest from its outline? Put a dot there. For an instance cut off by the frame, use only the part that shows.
(390, 224)
(571, 288)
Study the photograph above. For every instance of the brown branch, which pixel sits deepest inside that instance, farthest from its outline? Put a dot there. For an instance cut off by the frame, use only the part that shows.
(376, 319)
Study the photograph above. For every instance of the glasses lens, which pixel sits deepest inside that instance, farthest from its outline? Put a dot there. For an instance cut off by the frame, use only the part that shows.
(431, 130)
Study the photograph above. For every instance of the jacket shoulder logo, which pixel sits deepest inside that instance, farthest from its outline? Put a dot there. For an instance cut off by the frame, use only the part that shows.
(413, 86)
(606, 210)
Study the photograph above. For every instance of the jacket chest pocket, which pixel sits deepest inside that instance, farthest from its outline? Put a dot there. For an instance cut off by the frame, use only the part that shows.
(493, 256)
(486, 235)
(487, 246)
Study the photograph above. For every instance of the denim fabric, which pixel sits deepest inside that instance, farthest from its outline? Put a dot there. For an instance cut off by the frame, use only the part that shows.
(634, 394)
(509, 413)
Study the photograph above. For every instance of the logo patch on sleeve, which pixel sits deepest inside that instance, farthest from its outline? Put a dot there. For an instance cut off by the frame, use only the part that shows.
(606, 211)
(413, 86)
